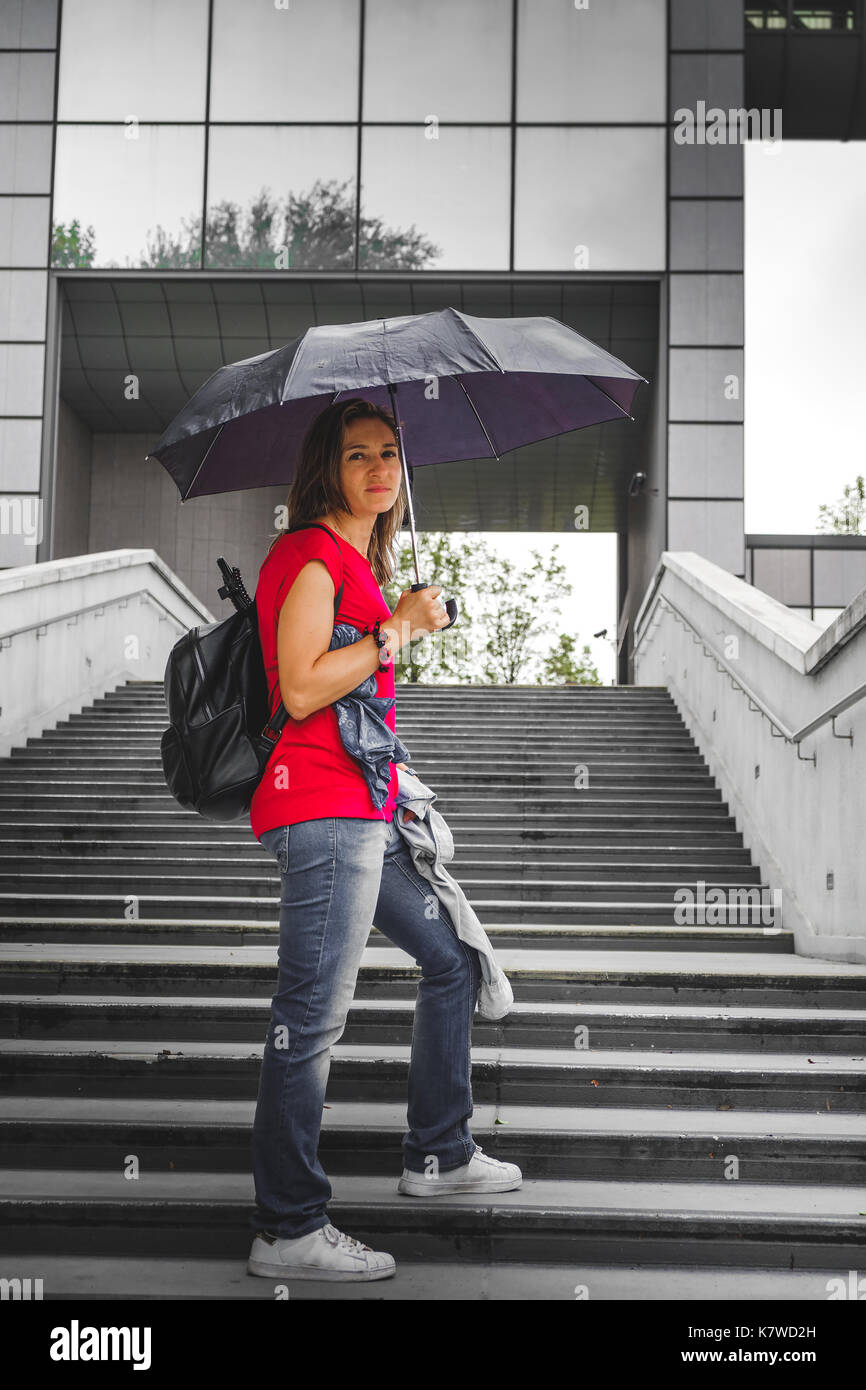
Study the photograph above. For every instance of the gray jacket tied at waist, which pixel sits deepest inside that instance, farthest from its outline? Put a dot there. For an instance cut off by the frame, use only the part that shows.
(432, 847)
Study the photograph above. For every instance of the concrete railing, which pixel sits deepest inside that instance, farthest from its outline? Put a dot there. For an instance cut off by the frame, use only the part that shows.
(72, 629)
(756, 685)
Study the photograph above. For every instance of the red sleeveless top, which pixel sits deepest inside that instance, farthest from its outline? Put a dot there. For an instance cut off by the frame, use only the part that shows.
(309, 774)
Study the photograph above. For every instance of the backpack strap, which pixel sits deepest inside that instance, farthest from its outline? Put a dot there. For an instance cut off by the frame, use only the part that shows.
(278, 722)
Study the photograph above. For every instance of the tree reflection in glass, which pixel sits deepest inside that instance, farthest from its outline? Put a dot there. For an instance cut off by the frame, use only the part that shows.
(311, 231)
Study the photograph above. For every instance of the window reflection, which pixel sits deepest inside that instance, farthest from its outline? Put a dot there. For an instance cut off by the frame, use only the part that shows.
(119, 58)
(603, 63)
(451, 60)
(282, 197)
(293, 63)
(433, 195)
(447, 198)
(590, 198)
(141, 196)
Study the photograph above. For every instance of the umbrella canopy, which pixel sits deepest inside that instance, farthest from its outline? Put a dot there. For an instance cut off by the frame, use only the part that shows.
(465, 387)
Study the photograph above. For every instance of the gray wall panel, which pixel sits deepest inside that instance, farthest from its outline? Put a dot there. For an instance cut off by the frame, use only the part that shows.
(22, 304)
(706, 24)
(839, 576)
(24, 231)
(25, 158)
(713, 529)
(706, 309)
(706, 234)
(26, 86)
(698, 388)
(706, 170)
(20, 442)
(72, 499)
(705, 461)
(784, 574)
(713, 78)
(28, 23)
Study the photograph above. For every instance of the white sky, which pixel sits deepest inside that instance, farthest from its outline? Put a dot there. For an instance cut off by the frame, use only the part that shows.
(805, 296)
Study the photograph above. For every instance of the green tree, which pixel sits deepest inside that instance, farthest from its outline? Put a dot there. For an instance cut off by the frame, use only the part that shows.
(443, 656)
(516, 606)
(504, 611)
(72, 247)
(560, 666)
(314, 231)
(847, 517)
(179, 253)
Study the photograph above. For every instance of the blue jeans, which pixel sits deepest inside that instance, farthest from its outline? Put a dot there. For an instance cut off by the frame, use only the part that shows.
(339, 875)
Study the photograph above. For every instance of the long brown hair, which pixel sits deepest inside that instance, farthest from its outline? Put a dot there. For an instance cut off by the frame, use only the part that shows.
(316, 488)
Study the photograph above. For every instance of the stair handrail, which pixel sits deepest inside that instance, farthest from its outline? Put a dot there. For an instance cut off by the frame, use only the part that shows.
(73, 613)
(794, 736)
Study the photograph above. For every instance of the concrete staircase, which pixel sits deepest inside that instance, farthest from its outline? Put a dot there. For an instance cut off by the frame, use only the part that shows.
(686, 1101)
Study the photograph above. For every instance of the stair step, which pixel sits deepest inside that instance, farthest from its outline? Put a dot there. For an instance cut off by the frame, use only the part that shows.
(119, 745)
(604, 775)
(117, 754)
(76, 797)
(523, 725)
(650, 907)
(211, 931)
(87, 864)
(586, 840)
(529, 1023)
(780, 1226)
(743, 892)
(362, 1137)
(555, 1076)
(636, 976)
(709, 824)
(84, 1277)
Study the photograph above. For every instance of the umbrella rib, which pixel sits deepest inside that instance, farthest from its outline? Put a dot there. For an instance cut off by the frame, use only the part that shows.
(300, 340)
(493, 449)
(481, 340)
(609, 396)
(201, 465)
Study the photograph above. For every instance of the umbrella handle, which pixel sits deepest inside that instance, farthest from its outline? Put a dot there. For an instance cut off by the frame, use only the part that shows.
(450, 606)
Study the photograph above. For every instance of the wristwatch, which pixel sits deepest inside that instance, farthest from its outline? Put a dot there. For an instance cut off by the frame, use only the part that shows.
(381, 639)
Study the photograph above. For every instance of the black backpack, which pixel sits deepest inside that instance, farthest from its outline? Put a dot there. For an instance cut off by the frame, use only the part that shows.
(220, 737)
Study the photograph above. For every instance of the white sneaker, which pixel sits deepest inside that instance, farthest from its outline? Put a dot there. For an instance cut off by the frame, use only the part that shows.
(481, 1174)
(325, 1253)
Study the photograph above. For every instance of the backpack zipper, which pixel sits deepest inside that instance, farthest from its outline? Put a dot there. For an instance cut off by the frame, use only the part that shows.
(208, 708)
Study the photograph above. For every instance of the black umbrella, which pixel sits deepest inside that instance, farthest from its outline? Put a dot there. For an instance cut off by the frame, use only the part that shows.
(468, 388)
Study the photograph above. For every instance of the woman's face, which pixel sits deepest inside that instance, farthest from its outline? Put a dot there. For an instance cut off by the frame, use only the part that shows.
(369, 467)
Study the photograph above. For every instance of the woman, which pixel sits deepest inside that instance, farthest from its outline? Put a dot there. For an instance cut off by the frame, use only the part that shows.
(343, 863)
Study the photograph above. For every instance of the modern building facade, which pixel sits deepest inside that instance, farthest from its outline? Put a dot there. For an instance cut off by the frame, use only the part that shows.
(185, 185)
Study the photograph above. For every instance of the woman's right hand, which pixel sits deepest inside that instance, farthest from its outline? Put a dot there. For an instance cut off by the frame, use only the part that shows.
(415, 615)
